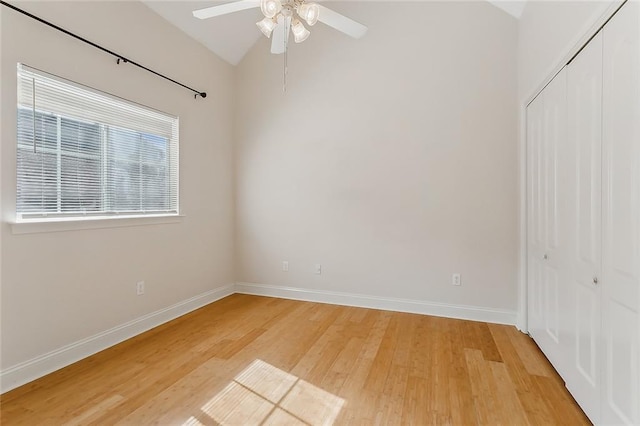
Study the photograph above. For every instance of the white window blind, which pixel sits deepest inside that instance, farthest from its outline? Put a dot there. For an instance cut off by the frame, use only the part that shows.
(82, 152)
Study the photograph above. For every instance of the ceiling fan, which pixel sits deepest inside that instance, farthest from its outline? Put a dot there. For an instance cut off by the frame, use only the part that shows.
(282, 17)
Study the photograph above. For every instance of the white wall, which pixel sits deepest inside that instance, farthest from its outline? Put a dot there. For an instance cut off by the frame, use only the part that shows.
(547, 32)
(60, 287)
(390, 160)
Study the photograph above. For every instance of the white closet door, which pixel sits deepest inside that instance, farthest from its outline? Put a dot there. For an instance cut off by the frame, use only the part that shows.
(621, 217)
(536, 216)
(584, 134)
(555, 99)
(549, 253)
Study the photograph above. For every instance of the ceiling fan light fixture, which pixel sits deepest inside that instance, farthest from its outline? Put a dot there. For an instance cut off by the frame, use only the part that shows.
(309, 12)
(267, 26)
(270, 8)
(300, 33)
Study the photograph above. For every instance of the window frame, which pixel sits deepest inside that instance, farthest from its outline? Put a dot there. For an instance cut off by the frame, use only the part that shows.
(104, 217)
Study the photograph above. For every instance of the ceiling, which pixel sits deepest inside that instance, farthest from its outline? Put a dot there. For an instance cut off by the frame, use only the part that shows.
(231, 36)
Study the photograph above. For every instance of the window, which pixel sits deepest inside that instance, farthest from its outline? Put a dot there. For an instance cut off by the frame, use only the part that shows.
(81, 152)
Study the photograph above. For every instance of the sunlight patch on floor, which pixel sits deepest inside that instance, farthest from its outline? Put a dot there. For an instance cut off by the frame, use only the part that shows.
(266, 380)
(264, 394)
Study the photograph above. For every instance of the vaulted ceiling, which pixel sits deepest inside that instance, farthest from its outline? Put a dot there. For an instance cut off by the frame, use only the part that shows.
(231, 36)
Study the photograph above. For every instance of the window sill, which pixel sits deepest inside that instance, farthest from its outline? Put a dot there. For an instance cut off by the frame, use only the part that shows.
(76, 224)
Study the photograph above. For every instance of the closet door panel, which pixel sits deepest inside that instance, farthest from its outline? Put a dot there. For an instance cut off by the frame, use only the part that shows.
(584, 133)
(554, 134)
(554, 140)
(621, 217)
(552, 304)
(536, 175)
(535, 209)
(550, 215)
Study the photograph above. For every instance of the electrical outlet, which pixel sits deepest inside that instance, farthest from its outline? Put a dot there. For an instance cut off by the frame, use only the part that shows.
(140, 288)
(455, 279)
(318, 269)
(285, 266)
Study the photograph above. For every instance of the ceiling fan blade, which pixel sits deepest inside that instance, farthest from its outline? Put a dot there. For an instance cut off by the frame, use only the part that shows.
(341, 22)
(280, 35)
(223, 9)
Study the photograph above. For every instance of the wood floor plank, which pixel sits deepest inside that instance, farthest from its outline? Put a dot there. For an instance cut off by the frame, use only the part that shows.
(484, 389)
(508, 402)
(558, 400)
(532, 358)
(257, 360)
(228, 348)
(95, 411)
(537, 407)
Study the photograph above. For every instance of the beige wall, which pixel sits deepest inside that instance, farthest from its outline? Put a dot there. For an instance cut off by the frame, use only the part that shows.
(390, 160)
(58, 288)
(547, 31)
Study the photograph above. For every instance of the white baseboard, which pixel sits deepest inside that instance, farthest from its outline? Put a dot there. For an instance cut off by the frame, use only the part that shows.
(40, 366)
(37, 367)
(497, 316)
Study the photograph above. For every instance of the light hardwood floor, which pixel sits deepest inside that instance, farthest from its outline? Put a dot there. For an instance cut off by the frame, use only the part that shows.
(255, 360)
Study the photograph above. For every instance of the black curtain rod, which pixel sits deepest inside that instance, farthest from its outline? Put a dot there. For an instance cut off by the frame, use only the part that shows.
(97, 46)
